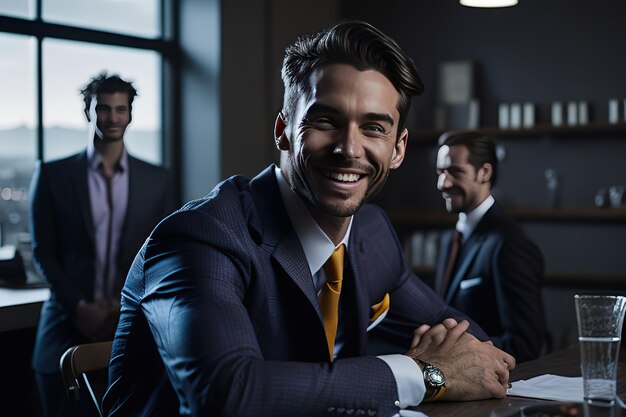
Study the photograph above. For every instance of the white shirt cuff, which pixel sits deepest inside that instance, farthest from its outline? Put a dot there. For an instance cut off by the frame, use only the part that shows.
(409, 379)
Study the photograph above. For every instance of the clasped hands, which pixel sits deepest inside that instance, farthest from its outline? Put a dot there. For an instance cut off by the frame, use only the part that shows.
(97, 320)
(473, 369)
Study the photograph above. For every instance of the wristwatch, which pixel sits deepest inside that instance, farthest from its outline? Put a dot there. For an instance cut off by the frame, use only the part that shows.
(434, 380)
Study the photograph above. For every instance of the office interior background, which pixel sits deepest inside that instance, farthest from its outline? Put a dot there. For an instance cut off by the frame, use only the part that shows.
(208, 75)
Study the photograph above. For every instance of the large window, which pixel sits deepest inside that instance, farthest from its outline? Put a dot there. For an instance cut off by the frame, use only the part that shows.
(18, 145)
(50, 50)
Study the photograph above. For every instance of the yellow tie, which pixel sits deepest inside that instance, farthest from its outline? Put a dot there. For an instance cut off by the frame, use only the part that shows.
(329, 296)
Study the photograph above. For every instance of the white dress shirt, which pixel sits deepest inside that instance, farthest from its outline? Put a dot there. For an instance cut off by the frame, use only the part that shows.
(100, 213)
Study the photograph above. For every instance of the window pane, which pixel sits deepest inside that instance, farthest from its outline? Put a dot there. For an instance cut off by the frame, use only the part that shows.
(132, 17)
(18, 8)
(68, 66)
(17, 137)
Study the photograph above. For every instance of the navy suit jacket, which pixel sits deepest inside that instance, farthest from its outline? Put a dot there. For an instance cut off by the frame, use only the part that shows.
(497, 282)
(63, 242)
(220, 316)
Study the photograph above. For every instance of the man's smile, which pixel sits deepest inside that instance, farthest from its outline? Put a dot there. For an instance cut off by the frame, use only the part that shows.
(341, 177)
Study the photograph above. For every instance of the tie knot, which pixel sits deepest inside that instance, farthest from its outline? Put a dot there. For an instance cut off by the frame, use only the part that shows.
(334, 265)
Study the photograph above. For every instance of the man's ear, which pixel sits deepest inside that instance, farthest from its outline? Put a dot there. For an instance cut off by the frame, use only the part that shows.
(399, 150)
(282, 143)
(485, 172)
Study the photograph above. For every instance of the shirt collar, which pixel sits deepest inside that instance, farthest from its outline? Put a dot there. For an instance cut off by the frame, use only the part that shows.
(466, 224)
(317, 246)
(95, 159)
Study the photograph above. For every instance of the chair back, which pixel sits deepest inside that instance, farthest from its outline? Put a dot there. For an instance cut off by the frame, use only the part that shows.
(77, 362)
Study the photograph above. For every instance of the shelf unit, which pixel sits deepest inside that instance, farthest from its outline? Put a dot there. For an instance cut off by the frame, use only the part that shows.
(613, 282)
(411, 219)
(405, 222)
(430, 136)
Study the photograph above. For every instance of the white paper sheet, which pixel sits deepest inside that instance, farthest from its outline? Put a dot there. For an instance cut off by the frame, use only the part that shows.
(409, 413)
(549, 387)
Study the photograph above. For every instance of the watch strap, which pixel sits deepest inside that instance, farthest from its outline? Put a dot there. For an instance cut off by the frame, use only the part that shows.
(433, 393)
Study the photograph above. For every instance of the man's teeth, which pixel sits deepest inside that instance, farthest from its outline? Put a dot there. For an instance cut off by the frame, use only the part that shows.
(343, 177)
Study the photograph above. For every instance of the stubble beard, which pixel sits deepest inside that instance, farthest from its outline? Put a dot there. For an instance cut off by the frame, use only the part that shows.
(99, 134)
(314, 203)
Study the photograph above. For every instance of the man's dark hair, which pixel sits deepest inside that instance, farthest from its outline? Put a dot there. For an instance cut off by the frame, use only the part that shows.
(355, 43)
(102, 83)
(482, 149)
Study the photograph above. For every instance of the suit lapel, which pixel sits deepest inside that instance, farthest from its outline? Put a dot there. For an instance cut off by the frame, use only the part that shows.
(278, 236)
(469, 250)
(135, 197)
(290, 256)
(446, 243)
(357, 294)
(81, 188)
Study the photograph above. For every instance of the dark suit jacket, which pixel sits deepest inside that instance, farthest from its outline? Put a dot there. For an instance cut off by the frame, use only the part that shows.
(63, 247)
(220, 316)
(497, 282)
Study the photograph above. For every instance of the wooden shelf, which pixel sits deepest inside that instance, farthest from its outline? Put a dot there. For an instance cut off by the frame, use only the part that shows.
(571, 215)
(557, 279)
(411, 219)
(430, 136)
(591, 280)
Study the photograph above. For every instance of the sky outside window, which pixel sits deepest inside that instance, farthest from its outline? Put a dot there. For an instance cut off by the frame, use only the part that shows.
(18, 100)
(18, 8)
(131, 17)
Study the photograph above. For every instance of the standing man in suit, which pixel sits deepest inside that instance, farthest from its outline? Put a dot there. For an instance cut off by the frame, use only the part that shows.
(90, 213)
(489, 269)
(256, 300)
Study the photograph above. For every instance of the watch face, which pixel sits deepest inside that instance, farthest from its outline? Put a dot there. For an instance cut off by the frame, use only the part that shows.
(435, 376)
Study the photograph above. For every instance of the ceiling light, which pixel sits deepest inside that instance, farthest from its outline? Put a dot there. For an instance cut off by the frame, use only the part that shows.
(488, 3)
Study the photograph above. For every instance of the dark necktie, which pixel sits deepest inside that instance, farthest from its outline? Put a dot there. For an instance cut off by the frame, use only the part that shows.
(107, 257)
(329, 296)
(449, 271)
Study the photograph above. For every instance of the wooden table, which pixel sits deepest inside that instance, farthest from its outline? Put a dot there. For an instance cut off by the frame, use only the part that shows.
(565, 362)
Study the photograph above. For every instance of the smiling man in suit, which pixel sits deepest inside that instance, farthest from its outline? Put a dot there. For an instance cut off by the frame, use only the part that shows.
(90, 213)
(488, 267)
(257, 299)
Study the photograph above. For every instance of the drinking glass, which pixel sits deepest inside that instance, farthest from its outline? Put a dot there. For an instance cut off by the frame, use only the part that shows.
(600, 319)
